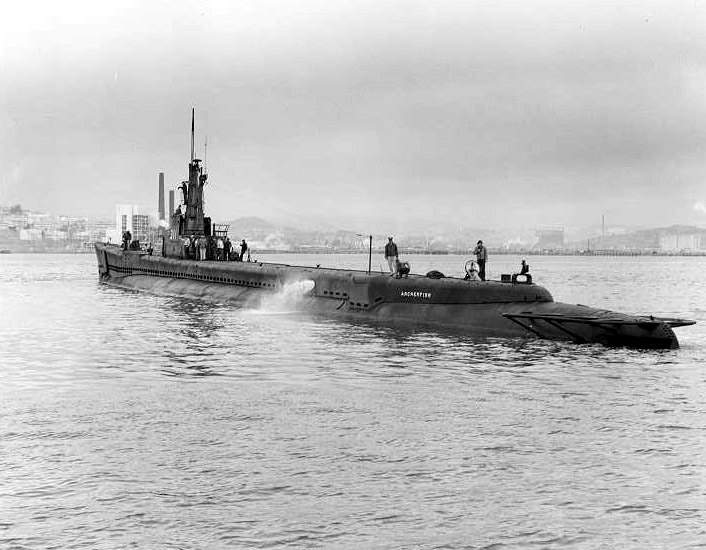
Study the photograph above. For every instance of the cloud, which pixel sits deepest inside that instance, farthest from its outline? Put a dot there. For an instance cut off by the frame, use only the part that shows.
(700, 207)
(395, 110)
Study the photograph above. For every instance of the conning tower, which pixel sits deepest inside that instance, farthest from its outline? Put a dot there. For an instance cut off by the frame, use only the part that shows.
(192, 190)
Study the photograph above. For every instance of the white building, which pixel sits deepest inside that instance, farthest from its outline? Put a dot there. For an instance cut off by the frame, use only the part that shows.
(678, 242)
(129, 218)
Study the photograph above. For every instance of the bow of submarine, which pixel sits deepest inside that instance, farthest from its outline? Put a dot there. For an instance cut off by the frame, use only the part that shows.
(492, 308)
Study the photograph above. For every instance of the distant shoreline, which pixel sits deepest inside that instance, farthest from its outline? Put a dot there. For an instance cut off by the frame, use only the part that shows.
(9, 250)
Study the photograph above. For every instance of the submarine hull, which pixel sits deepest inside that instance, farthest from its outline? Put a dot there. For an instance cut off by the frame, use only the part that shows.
(489, 308)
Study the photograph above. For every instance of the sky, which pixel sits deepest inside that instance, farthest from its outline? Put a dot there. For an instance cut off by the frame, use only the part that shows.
(366, 115)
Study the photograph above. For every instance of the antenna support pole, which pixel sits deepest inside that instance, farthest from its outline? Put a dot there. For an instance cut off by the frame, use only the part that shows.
(370, 254)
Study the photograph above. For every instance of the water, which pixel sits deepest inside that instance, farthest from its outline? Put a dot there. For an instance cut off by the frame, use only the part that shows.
(131, 420)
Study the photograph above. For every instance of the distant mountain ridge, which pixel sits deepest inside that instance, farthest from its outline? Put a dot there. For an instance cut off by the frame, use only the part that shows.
(251, 225)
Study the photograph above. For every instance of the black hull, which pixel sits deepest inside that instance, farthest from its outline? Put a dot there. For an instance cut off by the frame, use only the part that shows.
(475, 308)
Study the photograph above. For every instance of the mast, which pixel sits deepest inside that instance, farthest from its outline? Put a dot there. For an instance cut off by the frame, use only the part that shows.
(192, 134)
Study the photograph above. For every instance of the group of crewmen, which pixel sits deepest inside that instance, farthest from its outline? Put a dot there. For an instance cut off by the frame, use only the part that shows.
(215, 248)
(481, 253)
(393, 261)
(129, 244)
(397, 268)
(475, 270)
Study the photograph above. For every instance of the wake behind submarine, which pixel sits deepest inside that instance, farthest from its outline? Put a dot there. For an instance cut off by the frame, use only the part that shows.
(513, 307)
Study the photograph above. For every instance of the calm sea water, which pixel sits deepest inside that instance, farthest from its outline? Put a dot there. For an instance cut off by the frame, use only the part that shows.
(131, 420)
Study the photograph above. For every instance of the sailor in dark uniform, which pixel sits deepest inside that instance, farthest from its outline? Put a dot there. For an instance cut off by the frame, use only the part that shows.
(243, 250)
(391, 255)
(524, 269)
(192, 247)
(481, 253)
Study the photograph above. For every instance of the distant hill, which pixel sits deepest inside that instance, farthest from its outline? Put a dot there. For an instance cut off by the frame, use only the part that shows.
(264, 234)
(251, 227)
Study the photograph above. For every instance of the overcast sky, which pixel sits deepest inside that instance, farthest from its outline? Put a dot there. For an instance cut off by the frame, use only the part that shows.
(364, 114)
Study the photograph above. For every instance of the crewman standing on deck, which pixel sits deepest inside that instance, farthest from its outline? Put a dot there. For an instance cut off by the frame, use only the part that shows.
(202, 248)
(481, 253)
(391, 255)
(243, 250)
(192, 247)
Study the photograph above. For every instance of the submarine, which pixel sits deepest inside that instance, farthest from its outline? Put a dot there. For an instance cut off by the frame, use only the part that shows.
(514, 307)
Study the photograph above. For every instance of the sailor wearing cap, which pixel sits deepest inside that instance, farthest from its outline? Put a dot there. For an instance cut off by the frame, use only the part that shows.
(481, 256)
(391, 255)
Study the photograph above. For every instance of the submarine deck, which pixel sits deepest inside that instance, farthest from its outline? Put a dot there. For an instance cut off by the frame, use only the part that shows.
(366, 288)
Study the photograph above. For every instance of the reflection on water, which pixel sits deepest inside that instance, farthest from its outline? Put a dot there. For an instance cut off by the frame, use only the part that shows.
(131, 419)
(191, 333)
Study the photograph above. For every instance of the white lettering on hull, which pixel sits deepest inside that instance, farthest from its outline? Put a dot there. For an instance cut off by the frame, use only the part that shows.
(415, 294)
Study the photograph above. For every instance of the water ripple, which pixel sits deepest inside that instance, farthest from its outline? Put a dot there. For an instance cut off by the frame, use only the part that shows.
(158, 422)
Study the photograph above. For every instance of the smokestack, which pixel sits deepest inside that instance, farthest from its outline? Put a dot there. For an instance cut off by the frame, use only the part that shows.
(171, 202)
(161, 195)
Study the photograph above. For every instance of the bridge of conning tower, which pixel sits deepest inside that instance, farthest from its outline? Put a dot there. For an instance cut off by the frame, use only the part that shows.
(193, 194)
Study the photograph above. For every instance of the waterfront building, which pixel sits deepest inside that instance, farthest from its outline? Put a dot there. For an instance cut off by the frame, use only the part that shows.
(129, 218)
(678, 242)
